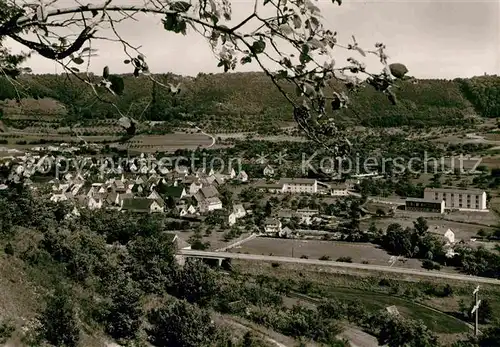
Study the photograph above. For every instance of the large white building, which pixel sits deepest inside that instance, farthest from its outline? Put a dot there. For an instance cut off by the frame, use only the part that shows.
(299, 185)
(455, 199)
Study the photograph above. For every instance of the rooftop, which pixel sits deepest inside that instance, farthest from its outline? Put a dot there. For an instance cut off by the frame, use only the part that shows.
(297, 180)
(430, 201)
(454, 190)
(137, 204)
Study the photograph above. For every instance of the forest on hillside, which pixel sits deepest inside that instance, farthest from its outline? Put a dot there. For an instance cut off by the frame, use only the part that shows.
(248, 100)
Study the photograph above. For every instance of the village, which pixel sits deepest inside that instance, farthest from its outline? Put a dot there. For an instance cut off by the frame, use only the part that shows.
(193, 196)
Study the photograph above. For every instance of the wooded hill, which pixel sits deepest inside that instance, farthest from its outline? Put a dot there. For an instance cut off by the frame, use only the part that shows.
(247, 101)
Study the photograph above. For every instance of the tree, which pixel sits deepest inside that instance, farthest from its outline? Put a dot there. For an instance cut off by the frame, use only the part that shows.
(180, 324)
(152, 262)
(268, 210)
(396, 331)
(296, 27)
(421, 226)
(59, 324)
(196, 283)
(124, 312)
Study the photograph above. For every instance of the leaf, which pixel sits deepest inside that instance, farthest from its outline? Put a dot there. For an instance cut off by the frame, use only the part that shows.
(180, 6)
(360, 50)
(126, 61)
(75, 69)
(105, 72)
(117, 84)
(315, 44)
(41, 15)
(86, 49)
(170, 22)
(245, 60)
(313, 8)
(398, 70)
(94, 13)
(140, 57)
(258, 47)
(297, 22)
(286, 29)
(78, 60)
(337, 1)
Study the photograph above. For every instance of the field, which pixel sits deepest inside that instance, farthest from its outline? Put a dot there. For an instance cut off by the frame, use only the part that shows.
(463, 231)
(140, 143)
(313, 249)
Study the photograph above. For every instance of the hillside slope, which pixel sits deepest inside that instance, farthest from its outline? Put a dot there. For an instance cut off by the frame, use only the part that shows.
(247, 101)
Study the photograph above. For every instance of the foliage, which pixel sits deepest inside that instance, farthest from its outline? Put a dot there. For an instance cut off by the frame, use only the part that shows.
(179, 323)
(249, 101)
(413, 242)
(484, 93)
(396, 331)
(6, 330)
(59, 324)
(196, 283)
(152, 262)
(124, 311)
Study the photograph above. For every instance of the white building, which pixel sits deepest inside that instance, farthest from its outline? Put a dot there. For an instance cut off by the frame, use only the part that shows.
(339, 190)
(195, 187)
(272, 226)
(210, 204)
(299, 185)
(239, 211)
(449, 236)
(470, 199)
(242, 176)
(231, 219)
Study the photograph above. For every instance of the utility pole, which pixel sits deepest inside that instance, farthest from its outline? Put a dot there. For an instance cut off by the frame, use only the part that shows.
(475, 309)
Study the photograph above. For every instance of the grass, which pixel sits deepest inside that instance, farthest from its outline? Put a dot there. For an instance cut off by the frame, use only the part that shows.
(435, 320)
(363, 287)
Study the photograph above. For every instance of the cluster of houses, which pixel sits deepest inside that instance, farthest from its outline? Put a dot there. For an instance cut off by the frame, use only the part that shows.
(187, 193)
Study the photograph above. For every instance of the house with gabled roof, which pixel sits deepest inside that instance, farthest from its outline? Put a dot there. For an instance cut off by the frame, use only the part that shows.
(205, 193)
(176, 193)
(239, 211)
(219, 179)
(112, 199)
(154, 195)
(242, 176)
(141, 205)
(272, 226)
(195, 186)
(177, 241)
(210, 204)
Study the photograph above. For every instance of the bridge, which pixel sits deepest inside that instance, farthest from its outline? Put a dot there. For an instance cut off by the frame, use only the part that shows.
(219, 257)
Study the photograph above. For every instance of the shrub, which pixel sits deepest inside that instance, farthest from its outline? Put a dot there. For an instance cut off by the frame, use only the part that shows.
(345, 259)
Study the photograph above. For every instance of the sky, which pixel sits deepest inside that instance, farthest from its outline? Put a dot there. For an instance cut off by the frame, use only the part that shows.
(433, 38)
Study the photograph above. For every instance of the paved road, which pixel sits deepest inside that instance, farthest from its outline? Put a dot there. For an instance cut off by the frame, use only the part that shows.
(427, 273)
